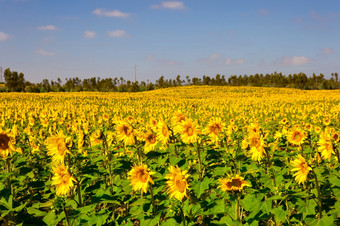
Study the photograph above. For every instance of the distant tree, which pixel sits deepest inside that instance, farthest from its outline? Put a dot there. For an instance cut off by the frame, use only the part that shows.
(14, 82)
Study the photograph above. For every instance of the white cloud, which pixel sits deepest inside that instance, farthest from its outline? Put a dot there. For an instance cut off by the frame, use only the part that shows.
(295, 60)
(239, 61)
(45, 53)
(176, 5)
(118, 34)
(327, 51)
(114, 13)
(149, 57)
(4, 36)
(170, 62)
(47, 28)
(89, 34)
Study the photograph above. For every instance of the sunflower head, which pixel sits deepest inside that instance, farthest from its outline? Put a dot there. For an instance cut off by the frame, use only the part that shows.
(140, 178)
(235, 183)
(302, 169)
(63, 180)
(177, 184)
(296, 136)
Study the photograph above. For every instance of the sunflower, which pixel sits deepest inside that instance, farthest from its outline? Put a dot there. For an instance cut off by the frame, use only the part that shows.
(140, 178)
(188, 131)
(63, 180)
(176, 120)
(7, 144)
(256, 146)
(125, 133)
(235, 183)
(177, 184)
(336, 137)
(296, 136)
(163, 133)
(95, 138)
(56, 147)
(325, 146)
(302, 169)
(215, 130)
(150, 141)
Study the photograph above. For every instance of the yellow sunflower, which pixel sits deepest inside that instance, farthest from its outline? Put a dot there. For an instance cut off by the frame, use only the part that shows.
(215, 130)
(256, 146)
(163, 133)
(125, 133)
(176, 120)
(296, 136)
(235, 183)
(95, 138)
(7, 142)
(140, 178)
(325, 146)
(150, 141)
(63, 180)
(302, 169)
(189, 132)
(177, 184)
(56, 147)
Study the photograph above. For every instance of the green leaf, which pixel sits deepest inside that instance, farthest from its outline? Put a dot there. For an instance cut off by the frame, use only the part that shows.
(279, 214)
(202, 186)
(35, 212)
(324, 221)
(306, 208)
(169, 222)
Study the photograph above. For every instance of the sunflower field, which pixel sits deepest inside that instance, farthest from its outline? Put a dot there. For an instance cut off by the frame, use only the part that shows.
(195, 155)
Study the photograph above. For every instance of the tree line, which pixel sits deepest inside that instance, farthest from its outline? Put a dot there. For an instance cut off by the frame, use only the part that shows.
(15, 82)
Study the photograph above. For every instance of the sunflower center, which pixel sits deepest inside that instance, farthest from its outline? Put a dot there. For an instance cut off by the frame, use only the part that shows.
(61, 146)
(303, 167)
(235, 182)
(165, 131)
(151, 138)
(189, 130)
(142, 175)
(4, 140)
(255, 142)
(126, 130)
(180, 183)
(216, 129)
(297, 136)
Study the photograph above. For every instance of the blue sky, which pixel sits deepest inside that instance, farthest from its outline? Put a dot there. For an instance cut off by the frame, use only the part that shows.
(106, 38)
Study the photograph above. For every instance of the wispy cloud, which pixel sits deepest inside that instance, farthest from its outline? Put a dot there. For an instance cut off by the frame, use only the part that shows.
(118, 34)
(47, 28)
(293, 61)
(216, 58)
(113, 13)
(45, 53)
(263, 11)
(149, 57)
(170, 62)
(327, 51)
(175, 5)
(4, 36)
(89, 34)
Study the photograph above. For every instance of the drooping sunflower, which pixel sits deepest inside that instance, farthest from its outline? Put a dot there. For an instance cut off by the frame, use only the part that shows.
(235, 183)
(163, 133)
(177, 184)
(150, 141)
(56, 146)
(215, 130)
(336, 137)
(7, 144)
(325, 146)
(302, 169)
(125, 133)
(140, 178)
(296, 136)
(63, 180)
(188, 130)
(95, 138)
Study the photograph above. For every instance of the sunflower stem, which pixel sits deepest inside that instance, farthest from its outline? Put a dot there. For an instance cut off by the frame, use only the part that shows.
(199, 161)
(319, 194)
(9, 181)
(182, 214)
(79, 194)
(153, 201)
(67, 220)
(237, 208)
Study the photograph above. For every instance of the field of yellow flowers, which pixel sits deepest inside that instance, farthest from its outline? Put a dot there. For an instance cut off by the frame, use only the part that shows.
(187, 155)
